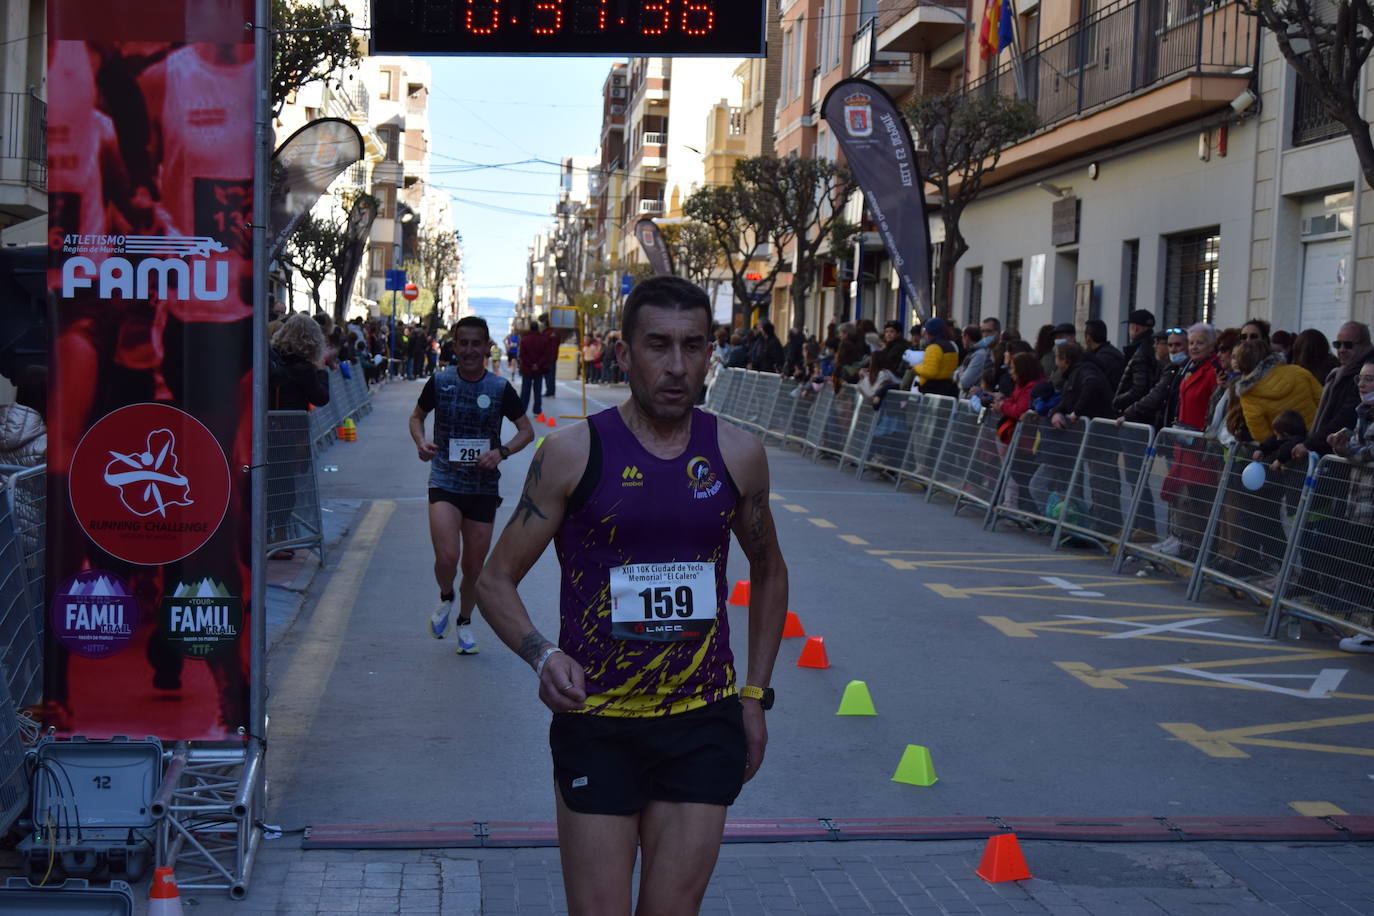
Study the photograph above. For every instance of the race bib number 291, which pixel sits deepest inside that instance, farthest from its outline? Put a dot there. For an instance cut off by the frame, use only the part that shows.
(663, 602)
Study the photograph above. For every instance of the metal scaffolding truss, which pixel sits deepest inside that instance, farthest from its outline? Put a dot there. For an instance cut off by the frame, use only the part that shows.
(208, 816)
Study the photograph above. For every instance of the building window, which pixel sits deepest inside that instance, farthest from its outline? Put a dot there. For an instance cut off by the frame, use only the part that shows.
(390, 139)
(975, 293)
(788, 64)
(1191, 277)
(799, 55)
(1130, 272)
(1311, 123)
(1011, 305)
(378, 259)
(823, 42)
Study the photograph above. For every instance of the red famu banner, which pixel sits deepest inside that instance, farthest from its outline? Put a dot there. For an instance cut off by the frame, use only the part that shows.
(150, 184)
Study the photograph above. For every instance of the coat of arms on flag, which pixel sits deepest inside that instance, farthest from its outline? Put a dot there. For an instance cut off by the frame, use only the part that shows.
(858, 115)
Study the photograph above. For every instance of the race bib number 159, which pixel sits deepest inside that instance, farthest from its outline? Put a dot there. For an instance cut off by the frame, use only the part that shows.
(663, 602)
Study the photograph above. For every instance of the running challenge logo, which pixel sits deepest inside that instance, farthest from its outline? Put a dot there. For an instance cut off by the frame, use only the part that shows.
(149, 484)
(702, 481)
(172, 276)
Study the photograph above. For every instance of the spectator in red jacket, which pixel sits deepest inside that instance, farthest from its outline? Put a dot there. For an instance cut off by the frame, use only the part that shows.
(1026, 372)
(536, 356)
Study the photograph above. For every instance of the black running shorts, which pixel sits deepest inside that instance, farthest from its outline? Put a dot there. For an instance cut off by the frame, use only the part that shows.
(616, 765)
(476, 507)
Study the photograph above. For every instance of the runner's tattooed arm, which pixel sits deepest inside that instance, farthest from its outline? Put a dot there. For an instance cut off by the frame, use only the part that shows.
(552, 477)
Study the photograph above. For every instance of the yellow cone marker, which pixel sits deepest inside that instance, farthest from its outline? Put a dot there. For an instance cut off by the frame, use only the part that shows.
(915, 768)
(538, 442)
(856, 701)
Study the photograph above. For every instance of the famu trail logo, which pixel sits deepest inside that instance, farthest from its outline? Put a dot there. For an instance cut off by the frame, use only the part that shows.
(858, 114)
(94, 614)
(701, 479)
(201, 618)
(169, 277)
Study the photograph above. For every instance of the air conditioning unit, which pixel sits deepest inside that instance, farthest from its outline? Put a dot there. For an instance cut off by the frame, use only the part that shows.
(1321, 225)
(617, 109)
(617, 92)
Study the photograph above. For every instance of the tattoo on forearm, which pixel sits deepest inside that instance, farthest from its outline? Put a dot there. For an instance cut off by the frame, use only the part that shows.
(532, 645)
(536, 471)
(758, 523)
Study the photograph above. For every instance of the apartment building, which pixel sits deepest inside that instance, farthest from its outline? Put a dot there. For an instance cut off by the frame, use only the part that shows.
(23, 122)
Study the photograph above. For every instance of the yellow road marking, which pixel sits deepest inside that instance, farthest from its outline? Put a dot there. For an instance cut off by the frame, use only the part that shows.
(1009, 627)
(1224, 743)
(821, 523)
(777, 496)
(1316, 808)
(793, 507)
(853, 539)
(1091, 676)
(297, 698)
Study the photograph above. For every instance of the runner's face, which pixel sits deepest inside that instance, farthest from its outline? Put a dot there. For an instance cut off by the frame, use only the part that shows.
(666, 362)
(472, 347)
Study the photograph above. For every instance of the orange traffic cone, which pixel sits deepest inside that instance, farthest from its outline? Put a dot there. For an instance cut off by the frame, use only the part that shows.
(539, 418)
(163, 898)
(813, 654)
(792, 627)
(1002, 860)
(739, 595)
(551, 421)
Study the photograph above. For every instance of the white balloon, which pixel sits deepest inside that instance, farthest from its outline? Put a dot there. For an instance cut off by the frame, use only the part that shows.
(1253, 476)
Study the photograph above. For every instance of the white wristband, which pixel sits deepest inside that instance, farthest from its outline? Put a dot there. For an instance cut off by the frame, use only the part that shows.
(544, 657)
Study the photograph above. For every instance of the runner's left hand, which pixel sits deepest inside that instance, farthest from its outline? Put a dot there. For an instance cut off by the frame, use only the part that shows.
(489, 460)
(755, 737)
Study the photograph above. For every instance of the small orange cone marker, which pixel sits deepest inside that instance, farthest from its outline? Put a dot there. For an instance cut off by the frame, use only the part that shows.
(163, 898)
(1002, 860)
(551, 421)
(792, 627)
(739, 595)
(813, 654)
(539, 418)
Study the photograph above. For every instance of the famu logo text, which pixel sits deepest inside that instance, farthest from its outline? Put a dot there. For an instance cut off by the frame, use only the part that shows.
(170, 277)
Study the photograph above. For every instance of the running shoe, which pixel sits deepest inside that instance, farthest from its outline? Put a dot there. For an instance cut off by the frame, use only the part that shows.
(1170, 546)
(1357, 644)
(467, 645)
(438, 623)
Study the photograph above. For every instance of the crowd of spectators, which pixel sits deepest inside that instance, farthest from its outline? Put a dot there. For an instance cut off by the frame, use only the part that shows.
(1275, 396)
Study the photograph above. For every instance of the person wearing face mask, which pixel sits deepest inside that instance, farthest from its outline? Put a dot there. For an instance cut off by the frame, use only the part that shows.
(1159, 406)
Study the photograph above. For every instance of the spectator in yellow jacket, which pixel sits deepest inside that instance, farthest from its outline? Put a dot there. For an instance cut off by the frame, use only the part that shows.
(935, 374)
(1266, 388)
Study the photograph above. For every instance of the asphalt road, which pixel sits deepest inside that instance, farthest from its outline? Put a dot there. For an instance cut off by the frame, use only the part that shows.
(1041, 683)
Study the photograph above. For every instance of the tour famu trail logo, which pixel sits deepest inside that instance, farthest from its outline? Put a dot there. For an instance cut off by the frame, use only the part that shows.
(94, 614)
(148, 482)
(201, 617)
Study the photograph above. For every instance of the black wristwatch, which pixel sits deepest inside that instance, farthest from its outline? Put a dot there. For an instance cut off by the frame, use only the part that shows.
(505, 452)
(763, 694)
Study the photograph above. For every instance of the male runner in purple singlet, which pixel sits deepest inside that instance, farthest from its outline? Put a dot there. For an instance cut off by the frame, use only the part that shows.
(651, 741)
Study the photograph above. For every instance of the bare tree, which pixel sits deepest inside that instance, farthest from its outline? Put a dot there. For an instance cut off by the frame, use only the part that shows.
(962, 136)
(435, 259)
(738, 226)
(807, 197)
(1327, 42)
(693, 250)
(313, 251)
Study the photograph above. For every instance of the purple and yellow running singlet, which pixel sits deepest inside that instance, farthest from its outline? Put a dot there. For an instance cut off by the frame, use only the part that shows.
(643, 559)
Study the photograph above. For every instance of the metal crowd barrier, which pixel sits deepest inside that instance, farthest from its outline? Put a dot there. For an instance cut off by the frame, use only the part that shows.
(294, 519)
(1327, 574)
(26, 494)
(21, 654)
(1171, 498)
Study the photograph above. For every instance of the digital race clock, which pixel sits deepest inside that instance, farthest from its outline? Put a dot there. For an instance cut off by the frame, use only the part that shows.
(654, 28)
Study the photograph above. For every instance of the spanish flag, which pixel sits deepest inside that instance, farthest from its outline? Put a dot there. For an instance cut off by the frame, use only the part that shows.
(995, 33)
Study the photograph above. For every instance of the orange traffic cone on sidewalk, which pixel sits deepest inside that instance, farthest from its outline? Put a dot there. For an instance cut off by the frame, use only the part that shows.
(163, 898)
(813, 654)
(792, 627)
(739, 595)
(1002, 860)
(539, 418)
(551, 422)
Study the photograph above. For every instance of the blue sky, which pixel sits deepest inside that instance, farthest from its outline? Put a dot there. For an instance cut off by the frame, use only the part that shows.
(504, 111)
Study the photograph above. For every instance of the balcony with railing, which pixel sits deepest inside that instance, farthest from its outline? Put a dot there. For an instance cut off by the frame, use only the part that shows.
(891, 70)
(23, 153)
(651, 207)
(1131, 69)
(922, 26)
